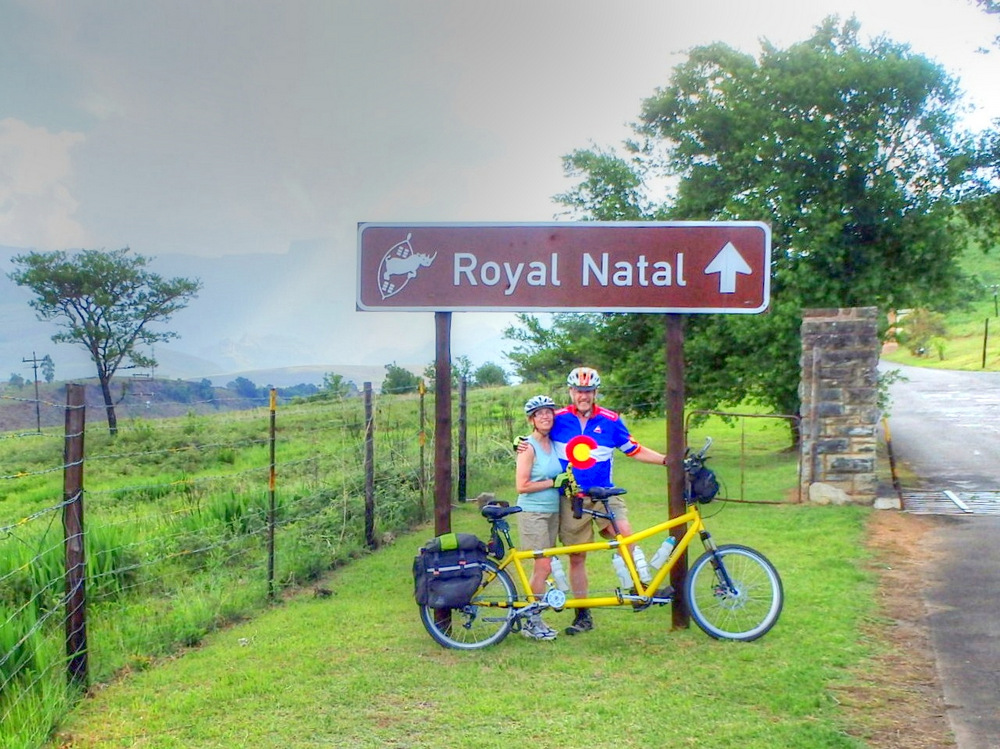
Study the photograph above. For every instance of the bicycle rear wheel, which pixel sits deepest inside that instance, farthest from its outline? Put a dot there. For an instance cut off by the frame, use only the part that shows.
(478, 624)
(734, 593)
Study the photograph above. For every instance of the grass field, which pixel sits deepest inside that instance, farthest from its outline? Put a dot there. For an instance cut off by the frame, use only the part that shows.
(176, 530)
(356, 669)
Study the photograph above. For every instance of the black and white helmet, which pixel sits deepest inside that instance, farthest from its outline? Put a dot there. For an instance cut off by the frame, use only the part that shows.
(538, 401)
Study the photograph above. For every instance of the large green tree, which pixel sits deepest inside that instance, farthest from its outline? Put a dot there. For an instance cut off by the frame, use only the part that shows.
(849, 150)
(106, 302)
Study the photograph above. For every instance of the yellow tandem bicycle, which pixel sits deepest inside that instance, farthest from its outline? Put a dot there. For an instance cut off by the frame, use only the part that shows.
(733, 592)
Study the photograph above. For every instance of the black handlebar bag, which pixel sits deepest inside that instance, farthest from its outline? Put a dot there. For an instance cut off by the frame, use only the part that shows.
(448, 570)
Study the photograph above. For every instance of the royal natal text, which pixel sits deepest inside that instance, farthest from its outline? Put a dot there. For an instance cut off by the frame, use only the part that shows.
(594, 271)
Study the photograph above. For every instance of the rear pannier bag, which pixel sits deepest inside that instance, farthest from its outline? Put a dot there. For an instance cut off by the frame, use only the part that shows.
(448, 570)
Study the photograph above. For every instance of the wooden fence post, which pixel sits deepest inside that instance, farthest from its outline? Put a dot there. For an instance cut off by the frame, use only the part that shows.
(76, 563)
(369, 469)
(986, 338)
(271, 503)
(463, 445)
(423, 457)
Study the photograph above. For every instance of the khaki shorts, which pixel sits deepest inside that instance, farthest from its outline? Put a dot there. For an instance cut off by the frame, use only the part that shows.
(537, 530)
(581, 531)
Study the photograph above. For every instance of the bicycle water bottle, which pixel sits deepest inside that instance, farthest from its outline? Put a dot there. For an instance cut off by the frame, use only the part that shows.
(621, 570)
(664, 552)
(639, 557)
(559, 575)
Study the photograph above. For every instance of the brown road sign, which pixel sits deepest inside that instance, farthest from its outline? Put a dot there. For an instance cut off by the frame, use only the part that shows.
(680, 267)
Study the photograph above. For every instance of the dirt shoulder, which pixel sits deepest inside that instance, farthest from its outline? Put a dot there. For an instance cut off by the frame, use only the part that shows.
(898, 701)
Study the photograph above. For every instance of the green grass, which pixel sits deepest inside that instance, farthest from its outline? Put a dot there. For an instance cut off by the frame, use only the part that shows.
(175, 529)
(192, 659)
(357, 669)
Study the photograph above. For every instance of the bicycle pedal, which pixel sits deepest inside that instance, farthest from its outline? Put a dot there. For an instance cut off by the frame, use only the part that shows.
(666, 592)
(639, 605)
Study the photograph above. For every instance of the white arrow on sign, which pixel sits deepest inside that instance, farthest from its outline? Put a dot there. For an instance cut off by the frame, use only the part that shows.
(727, 264)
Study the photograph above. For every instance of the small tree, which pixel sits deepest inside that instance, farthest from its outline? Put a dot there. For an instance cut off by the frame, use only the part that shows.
(335, 386)
(490, 375)
(920, 328)
(243, 387)
(48, 368)
(105, 302)
(430, 374)
(461, 369)
(399, 380)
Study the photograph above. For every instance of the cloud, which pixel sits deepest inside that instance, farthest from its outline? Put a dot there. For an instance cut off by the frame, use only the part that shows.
(212, 128)
(37, 206)
(215, 128)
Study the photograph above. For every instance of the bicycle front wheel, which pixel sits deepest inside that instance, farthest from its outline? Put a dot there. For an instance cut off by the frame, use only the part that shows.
(485, 621)
(734, 593)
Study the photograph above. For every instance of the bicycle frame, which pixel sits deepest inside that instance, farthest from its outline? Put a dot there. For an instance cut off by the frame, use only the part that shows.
(732, 591)
(695, 527)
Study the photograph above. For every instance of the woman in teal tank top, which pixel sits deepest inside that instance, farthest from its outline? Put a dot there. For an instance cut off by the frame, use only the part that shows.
(538, 524)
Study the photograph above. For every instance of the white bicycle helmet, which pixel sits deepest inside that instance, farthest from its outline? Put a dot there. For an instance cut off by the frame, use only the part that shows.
(538, 401)
(584, 378)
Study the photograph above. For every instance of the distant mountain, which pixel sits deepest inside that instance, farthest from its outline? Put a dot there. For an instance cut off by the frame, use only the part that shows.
(289, 376)
(274, 319)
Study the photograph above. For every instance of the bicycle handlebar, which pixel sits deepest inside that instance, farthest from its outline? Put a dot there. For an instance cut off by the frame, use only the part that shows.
(700, 455)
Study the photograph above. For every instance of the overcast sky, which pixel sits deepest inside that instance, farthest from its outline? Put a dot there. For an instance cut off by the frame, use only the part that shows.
(208, 127)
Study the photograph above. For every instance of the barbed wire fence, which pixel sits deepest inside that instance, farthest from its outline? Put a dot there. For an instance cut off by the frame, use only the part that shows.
(201, 519)
(189, 523)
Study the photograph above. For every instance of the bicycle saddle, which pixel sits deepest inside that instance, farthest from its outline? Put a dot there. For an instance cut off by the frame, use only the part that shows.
(497, 511)
(604, 492)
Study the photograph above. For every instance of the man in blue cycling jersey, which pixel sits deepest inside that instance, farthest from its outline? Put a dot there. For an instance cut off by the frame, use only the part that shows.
(590, 434)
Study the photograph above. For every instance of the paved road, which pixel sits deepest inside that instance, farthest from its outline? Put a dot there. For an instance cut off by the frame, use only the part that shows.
(946, 424)
(946, 427)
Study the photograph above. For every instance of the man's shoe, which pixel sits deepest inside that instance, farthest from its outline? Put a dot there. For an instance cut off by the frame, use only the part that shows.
(582, 623)
(535, 629)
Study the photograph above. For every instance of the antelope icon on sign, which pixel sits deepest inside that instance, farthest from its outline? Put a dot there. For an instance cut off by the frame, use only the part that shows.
(400, 260)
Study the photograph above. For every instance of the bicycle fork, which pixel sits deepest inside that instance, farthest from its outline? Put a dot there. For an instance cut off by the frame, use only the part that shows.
(721, 573)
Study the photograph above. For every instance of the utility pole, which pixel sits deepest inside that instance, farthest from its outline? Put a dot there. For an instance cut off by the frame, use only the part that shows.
(35, 361)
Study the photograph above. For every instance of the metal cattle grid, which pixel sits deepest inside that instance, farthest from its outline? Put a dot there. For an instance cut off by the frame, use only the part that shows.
(948, 502)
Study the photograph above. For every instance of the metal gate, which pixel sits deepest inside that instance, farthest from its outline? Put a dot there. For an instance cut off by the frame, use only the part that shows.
(948, 502)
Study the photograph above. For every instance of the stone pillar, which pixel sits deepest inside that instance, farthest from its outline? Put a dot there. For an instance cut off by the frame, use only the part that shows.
(839, 395)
